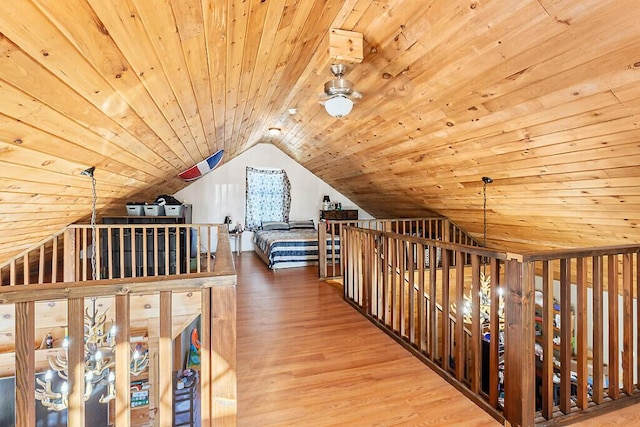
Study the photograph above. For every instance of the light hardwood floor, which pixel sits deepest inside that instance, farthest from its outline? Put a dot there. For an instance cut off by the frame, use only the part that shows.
(305, 358)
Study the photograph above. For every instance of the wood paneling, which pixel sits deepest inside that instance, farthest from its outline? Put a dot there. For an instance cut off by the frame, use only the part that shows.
(543, 96)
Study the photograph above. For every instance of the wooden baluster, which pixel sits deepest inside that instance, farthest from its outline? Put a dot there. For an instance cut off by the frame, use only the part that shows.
(458, 338)
(433, 291)
(121, 248)
(167, 265)
(581, 333)
(98, 254)
(25, 269)
(123, 360)
(134, 252)
(637, 257)
(75, 361)
(598, 330)
(12, 273)
(614, 342)
(547, 340)
(25, 364)
(494, 331)
(368, 273)
(54, 261)
(198, 250)
(565, 335)
(83, 266)
(476, 335)
(444, 319)
(145, 261)
(385, 316)
(156, 251)
(206, 348)
(421, 329)
(402, 257)
(411, 268)
(70, 255)
(109, 251)
(393, 251)
(165, 362)
(41, 260)
(627, 324)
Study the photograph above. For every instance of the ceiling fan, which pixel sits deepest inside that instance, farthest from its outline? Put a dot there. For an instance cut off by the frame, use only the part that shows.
(339, 96)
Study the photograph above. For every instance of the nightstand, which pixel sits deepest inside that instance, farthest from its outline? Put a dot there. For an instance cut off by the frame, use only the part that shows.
(236, 236)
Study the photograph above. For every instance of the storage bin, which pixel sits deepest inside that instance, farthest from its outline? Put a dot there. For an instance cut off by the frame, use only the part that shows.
(153, 210)
(135, 210)
(173, 210)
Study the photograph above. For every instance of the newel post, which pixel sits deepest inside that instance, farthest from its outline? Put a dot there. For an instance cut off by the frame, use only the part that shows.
(519, 353)
(322, 250)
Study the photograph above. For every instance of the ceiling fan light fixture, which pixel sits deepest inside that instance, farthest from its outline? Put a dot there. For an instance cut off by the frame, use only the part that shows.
(338, 106)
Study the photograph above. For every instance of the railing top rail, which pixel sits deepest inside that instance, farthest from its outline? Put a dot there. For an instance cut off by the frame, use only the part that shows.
(33, 247)
(475, 250)
(580, 252)
(134, 225)
(98, 288)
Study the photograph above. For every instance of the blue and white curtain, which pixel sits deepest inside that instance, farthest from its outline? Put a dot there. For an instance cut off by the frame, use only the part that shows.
(268, 196)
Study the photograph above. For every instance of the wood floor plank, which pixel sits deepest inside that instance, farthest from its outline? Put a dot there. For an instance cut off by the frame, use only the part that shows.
(305, 357)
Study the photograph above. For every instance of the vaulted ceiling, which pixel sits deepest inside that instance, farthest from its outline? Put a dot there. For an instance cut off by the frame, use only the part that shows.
(541, 95)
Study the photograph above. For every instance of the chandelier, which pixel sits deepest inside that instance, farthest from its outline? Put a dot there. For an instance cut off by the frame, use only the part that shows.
(485, 280)
(99, 346)
(99, 360)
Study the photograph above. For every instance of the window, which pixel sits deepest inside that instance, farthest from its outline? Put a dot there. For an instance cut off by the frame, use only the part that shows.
(268, 196)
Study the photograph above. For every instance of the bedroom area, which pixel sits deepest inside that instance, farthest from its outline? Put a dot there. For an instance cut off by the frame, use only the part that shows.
(281, 242)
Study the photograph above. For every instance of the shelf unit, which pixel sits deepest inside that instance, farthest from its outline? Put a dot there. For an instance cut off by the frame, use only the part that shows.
(185, 402)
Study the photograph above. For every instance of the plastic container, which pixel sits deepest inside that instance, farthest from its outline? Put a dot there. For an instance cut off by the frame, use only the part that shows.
(173, 210)
(153, 210)
(135, 210)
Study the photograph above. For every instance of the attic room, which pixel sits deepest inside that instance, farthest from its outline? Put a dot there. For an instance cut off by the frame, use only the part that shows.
(488, 151)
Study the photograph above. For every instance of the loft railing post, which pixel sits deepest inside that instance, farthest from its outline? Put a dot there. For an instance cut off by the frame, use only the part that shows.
(322, 250)
(69, 255)
(165, 362)
(25, 397)
(519, 342)
(223, 356)
(75, 361)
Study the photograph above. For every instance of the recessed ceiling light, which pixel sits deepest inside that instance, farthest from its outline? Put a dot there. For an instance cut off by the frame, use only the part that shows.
(293, 111)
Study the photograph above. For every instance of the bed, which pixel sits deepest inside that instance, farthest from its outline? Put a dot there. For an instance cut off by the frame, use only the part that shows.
(290, 244)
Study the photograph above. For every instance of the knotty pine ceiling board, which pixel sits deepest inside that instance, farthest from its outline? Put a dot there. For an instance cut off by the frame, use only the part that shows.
(541, 95)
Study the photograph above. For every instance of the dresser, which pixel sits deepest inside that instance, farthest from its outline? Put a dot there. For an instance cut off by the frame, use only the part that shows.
(339, 215)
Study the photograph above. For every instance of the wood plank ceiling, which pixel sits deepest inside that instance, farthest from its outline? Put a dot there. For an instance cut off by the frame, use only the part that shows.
(541, 95)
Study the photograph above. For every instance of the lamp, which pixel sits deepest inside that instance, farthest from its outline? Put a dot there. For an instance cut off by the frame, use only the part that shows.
(338, 106)
(273, 131)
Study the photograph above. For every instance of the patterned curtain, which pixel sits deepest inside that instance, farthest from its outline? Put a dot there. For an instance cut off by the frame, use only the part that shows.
(268, 196)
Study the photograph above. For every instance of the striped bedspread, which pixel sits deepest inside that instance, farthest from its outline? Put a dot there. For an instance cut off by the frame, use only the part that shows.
(292, 248)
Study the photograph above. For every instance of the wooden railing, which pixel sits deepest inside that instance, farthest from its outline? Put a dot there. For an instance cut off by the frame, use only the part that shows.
(165, 271)
(121, 251)
(329, 235)
(496, 342)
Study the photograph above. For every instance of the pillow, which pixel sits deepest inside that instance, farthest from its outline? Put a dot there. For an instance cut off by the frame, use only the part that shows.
(300, 224)
(274, 225)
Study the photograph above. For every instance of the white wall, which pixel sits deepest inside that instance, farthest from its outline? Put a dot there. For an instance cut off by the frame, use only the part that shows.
(222, 191)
